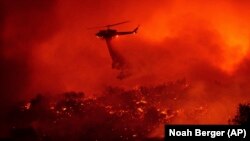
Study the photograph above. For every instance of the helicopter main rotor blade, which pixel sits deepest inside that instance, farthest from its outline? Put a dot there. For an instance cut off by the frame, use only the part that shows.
(117, 24)
(108, 25)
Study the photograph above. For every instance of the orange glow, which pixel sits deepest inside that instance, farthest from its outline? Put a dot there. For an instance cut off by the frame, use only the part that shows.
(231, 27)
(237, 47)
(174, 40)
(157, 28)
(47, 48)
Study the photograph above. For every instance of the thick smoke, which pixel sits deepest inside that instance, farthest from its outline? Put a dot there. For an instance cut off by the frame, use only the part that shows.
(46, 47)
(23, 24)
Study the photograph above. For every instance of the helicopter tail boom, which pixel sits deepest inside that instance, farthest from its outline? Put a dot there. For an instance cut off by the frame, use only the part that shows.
(129, 32)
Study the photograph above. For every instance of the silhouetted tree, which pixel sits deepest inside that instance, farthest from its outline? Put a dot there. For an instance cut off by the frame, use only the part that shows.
(242, 116)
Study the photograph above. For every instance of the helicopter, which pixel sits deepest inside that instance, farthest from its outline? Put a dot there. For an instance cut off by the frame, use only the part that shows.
(118, 61)
(111, 33)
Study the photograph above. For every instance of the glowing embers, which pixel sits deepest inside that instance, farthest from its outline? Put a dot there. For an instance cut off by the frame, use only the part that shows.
(27, 106)
(117, 114)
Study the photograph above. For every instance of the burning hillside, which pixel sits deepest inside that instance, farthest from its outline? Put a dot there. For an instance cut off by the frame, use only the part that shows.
(45, 47)
(118, 114)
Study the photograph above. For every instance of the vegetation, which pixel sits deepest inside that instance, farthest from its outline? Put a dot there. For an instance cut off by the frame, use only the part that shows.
(242, 116)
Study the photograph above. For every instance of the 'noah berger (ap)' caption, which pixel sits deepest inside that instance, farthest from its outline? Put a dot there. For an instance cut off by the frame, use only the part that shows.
(207, 132)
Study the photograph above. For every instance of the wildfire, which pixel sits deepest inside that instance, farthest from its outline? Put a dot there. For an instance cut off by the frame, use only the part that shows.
(204, 41)
(138, 111)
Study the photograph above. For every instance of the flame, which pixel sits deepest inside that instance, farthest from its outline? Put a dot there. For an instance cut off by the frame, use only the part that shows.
(27, 106)
(205, 41)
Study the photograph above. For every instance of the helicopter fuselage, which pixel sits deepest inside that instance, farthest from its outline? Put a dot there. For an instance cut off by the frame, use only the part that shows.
(110, 33)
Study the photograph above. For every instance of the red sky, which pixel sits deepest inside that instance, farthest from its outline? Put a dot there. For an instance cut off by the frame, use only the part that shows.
(46, 47)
